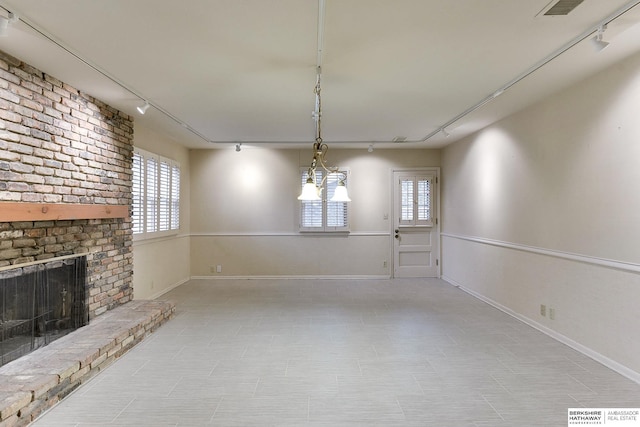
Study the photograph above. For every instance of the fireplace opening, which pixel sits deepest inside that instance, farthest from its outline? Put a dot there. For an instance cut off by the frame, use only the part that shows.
(40, 303)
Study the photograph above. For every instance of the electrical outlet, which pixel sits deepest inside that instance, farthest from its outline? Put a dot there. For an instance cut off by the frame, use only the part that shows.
(543, 310)
(218, 269)
(384, 264)
(552, 313)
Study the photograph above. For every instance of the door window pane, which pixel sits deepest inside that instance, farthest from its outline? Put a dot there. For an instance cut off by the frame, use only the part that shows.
(406, 204)
(424, 199)
(416, 200)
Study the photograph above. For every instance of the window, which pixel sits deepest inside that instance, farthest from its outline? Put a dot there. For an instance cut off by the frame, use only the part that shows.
(324, 215)
(151, 192)
(416, 201)
(156, 194)
(164, 201)
(175, 197)
(138, 193)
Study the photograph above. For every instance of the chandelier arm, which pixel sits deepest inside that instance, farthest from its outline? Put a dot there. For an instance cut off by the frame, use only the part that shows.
(321, 150)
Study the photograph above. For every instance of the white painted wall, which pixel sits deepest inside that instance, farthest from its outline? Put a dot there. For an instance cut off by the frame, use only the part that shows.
(244, 213)
(161, 264)
(543, 208)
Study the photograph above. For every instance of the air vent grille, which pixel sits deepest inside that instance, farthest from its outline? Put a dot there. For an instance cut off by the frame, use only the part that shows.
(563, 7)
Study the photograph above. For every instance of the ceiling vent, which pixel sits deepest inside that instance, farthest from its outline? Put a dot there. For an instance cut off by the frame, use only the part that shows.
(560, 7)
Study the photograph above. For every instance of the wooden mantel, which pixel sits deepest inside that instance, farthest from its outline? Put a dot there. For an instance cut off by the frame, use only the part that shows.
(19, 211)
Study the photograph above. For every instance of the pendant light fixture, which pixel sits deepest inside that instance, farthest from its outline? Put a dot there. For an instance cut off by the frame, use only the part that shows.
(312, 190)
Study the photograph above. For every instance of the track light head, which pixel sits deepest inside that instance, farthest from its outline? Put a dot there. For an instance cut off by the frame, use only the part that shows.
(4, 23)
(143, 108)
(238, 147)
(370, 149)
(597, 40)
(445, 133)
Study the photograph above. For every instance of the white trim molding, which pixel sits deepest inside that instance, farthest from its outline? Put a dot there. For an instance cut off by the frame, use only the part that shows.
(587, 259)
(295, 277)
(169, 288)
(289, 234)
(611, 364)
(158, 239)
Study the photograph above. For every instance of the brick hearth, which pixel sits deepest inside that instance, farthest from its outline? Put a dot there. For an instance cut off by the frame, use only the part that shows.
(39, 380)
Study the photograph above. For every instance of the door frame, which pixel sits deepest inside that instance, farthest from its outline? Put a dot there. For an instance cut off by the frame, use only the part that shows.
(433, 170)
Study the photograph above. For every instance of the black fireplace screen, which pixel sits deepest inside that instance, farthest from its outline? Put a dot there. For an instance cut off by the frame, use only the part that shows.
(40, 303)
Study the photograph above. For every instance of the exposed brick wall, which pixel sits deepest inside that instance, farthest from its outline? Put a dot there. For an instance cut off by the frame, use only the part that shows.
(59, 145)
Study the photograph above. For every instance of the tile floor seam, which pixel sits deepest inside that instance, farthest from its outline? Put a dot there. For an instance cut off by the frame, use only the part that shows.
(123, 409)
(493, 407)
(215, 411)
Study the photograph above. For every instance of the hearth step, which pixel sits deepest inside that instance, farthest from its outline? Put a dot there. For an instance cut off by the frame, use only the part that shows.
(35, 382)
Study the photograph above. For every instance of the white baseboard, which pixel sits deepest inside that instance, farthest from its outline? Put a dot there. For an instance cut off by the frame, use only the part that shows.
(338, 277)
(165, 290)
(609, 363)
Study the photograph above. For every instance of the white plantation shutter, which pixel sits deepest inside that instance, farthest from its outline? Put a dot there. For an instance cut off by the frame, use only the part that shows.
(323, 215)
(416, 201)
(137, 216)
(152, 194)
(424, 199)
(336, 211)
(406, 201)
(164, 200)
(310, 212)
(156, 194)
(175, 197)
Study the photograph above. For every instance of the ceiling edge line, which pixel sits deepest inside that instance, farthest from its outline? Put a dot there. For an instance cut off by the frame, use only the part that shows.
(610, 18)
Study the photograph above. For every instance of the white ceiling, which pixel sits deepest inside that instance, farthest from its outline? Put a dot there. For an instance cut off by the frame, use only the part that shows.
(244, 70)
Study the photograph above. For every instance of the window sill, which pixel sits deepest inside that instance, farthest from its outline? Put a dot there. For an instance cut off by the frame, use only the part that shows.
(325, 233)
(140, 237)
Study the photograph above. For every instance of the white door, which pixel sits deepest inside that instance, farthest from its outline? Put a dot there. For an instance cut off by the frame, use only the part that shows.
(416, 234)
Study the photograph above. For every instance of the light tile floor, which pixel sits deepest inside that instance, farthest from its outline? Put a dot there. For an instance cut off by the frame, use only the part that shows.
(332, 353)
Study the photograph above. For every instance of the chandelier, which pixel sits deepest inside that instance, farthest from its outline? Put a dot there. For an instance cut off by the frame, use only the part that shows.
(312, 190)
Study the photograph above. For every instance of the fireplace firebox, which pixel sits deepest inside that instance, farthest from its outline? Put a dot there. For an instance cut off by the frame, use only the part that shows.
(39, 303)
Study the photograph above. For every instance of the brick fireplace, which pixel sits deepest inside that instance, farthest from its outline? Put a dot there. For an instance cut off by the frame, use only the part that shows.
(65, 180)
(65, 192)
